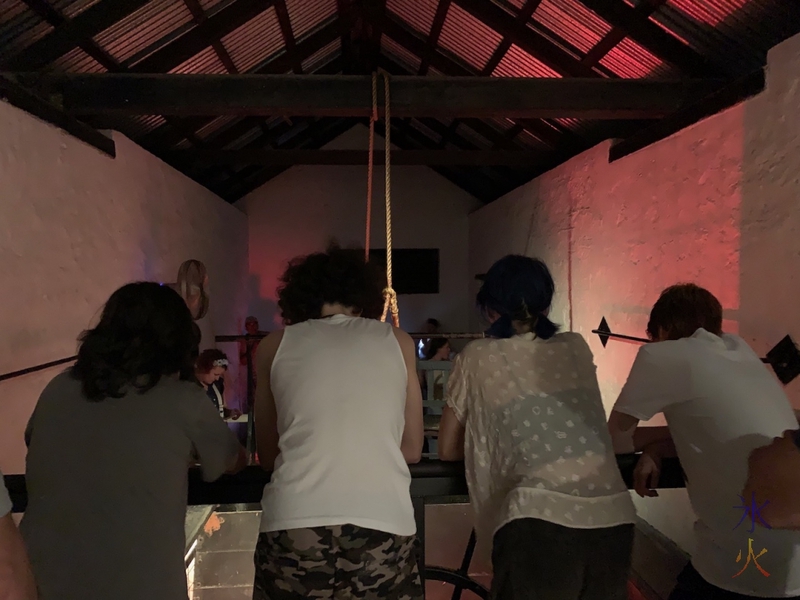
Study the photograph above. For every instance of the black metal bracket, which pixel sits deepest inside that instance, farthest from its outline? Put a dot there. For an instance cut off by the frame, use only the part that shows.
(785, 360)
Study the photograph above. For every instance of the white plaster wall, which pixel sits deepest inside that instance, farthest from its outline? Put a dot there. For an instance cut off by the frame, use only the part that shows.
(716, 204)
(74, 226)
(299, 211)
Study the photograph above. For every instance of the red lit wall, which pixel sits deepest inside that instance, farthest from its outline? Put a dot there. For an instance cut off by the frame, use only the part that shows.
(717, 204)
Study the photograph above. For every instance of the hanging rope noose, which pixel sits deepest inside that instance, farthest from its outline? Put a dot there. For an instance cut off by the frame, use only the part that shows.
(389, 295)
(371, 161)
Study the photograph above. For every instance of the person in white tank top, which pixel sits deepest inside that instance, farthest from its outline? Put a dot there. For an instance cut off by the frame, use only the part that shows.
(339, 418)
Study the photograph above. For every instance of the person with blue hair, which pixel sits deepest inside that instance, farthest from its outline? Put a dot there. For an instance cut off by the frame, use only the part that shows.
(524, 412)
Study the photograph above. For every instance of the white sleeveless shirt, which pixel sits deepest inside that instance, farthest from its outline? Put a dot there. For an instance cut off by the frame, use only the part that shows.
(340, 391)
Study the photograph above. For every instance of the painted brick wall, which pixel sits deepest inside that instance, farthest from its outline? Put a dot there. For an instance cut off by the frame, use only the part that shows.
(717, 204)
(74, 226)
(299, 211)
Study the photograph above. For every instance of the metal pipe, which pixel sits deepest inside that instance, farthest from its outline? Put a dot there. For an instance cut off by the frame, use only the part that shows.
(42, 367)
(619, 336)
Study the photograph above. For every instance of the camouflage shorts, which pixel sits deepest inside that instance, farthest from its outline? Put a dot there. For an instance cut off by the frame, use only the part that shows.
(339, 562)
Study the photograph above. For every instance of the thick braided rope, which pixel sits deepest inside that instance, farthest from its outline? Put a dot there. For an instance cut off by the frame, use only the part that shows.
(389, 295)
(371, 162)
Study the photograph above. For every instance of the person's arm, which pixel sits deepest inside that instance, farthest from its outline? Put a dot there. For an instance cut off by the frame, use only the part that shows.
(266, 414)
(451, 436)
(451, 427)
(655, 382)
(773, 481)
(215, 446)
(413, 431)
(648, 468)
(16, 577)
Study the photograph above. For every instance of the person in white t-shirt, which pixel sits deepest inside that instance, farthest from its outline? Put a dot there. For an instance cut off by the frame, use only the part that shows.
(16, 577)
(720, 402)
(524, 411)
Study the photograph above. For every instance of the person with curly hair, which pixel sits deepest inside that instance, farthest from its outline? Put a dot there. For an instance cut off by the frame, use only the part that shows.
(109, 445)
(339, 414)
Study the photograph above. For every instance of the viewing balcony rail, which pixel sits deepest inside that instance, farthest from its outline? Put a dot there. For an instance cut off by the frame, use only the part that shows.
(432, 482)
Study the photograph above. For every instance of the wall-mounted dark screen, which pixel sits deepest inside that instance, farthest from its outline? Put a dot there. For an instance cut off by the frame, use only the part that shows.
(414, 270)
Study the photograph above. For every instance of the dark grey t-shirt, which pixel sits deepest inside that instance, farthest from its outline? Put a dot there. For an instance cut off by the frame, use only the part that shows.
(107, 484)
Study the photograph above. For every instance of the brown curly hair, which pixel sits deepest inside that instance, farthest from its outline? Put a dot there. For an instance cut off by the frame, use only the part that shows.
(337, 276)
(682, 309)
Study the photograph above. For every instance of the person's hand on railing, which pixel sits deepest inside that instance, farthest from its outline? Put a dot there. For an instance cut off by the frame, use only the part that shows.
(646, 474)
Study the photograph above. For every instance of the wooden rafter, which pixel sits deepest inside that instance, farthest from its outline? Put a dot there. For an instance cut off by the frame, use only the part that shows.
(166, 137)
(68, 35)
(198, 38)
(252, 178)
(433, 37)
(479, 158)
(524, 15)
(285, 24)
(617, 34)
(93, 49)
(538, 46)
(350, 96)
(449, 66)
(738, 91)
(473, 180)
(200, 17)
(654, 38)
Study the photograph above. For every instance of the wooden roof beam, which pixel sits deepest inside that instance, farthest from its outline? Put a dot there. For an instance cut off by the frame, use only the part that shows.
(266, 157)
(350, 96)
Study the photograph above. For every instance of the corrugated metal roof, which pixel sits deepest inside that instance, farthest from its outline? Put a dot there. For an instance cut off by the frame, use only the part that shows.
(400, 55)
(572, 21)
(417, 13)
(19, 27)
(210, 6)
(206, 61)
(518, 63)
(254, 41)
(214, 126)
(322, 57)
(72, 8)
(305, 15)
(732, 32)
(140, 125)
(140, 30)
(77, 61)
(628, 59)
(469, 38)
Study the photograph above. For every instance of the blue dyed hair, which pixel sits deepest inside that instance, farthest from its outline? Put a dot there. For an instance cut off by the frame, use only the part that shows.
(518, 288)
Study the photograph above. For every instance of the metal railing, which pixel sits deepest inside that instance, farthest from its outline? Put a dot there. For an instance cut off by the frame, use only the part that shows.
(432, 482)
(34, 369)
